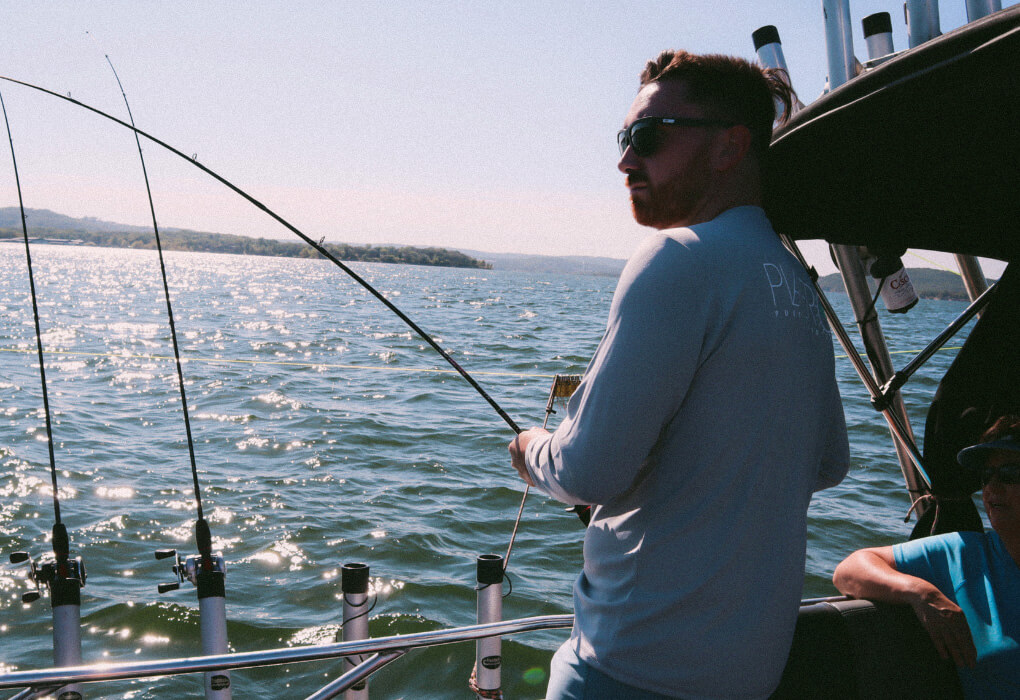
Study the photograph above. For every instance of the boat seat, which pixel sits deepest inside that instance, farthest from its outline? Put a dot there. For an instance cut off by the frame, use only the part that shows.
(858, 649)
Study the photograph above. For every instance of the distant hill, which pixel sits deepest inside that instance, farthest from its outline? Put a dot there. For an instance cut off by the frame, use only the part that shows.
(43, 223)
(928, 283)
(566, 264)
(10, 217)
(49, 225)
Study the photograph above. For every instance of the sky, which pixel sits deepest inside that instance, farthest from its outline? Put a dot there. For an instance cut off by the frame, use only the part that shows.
(481, 125)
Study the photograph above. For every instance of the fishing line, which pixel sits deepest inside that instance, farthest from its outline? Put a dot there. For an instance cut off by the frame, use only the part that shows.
(61, 544)
(932, 262)
(281, 363)
(328, 365)
(202, 529)
(293, 229)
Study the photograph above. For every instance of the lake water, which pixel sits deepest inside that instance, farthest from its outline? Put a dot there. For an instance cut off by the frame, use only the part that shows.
(326, 432)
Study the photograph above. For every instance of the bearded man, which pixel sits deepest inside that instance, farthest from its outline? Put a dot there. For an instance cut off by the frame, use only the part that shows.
(707, 417)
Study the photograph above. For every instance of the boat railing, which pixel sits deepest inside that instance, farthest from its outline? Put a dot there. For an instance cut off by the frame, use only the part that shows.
(382, 649)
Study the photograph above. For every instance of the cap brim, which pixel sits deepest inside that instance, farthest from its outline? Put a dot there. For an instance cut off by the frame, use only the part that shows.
(975, 456)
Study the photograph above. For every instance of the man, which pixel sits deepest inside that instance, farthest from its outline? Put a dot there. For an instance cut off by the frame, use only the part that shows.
(707, 417)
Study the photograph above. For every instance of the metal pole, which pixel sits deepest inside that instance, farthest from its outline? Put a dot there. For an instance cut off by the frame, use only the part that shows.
(976, 9)
(65, 597)
(922, 21)
(924, 14)
(488, 651)
(212, 610)
(878, 34)
(353, 677)
(769, 47)
(935, 345)
(973, 276)
(770, 54)
(878, 355)
(839, 47)
(33, 693)
(354, 584)
(839, 42)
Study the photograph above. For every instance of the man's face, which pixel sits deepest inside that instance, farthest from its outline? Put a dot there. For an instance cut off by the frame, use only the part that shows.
(1002, 501)
(670, 187)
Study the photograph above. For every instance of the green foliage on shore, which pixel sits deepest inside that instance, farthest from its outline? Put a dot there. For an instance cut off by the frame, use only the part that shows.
(185, 240)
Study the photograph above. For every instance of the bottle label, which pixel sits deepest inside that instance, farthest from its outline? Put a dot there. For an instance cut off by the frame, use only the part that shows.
(898, 293)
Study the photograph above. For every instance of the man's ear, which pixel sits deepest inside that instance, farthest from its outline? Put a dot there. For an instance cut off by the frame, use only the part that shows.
(732, 146)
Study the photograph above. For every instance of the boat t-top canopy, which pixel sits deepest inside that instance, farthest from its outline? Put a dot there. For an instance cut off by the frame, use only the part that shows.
(919, 152)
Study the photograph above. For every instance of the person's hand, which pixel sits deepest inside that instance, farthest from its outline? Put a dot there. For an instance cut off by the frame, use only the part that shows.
(518, 446)
(946, 625)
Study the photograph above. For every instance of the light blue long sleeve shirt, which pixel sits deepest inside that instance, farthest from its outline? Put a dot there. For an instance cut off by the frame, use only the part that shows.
(707, 417)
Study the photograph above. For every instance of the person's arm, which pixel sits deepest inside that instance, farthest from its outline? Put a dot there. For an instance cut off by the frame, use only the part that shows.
(836, 461)
(635, 382)
(872, 574)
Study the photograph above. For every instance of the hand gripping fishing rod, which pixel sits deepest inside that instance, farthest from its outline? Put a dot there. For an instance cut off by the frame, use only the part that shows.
(62, 575)
(563, 387)
(207, 571)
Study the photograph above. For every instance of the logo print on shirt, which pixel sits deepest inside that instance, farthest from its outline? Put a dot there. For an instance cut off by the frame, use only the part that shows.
(792, 297)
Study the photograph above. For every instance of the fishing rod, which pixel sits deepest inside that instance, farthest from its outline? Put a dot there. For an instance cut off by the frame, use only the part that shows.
(314, 244)
(207, 571)
(62, 575)
(563, 387)
(296, 231)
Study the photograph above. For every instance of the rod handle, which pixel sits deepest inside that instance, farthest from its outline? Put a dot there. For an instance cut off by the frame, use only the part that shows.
(167, 587)
(165, 553)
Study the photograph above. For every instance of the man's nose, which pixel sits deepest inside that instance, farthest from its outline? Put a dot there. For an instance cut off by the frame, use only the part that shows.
(628, 161)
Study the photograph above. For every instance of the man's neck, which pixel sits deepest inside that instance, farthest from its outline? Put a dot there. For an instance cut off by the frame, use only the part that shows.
(710, 210)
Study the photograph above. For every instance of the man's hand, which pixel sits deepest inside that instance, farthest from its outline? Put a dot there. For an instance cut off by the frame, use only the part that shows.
(518, 446)
(946, 625)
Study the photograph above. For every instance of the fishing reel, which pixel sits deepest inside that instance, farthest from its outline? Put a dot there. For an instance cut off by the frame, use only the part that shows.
(50, 572)
(188, 568)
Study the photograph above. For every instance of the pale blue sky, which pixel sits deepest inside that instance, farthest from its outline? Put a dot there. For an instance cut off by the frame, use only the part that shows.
(483, 125)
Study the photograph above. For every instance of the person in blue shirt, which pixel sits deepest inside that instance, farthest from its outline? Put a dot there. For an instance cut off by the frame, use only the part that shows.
(963, 586)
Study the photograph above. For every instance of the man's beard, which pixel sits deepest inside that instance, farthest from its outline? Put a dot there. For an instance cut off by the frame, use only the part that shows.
(676, 201)
(668, 204)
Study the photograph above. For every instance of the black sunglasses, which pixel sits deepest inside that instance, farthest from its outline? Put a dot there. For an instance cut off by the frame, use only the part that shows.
(1007, 474)
(643, 135)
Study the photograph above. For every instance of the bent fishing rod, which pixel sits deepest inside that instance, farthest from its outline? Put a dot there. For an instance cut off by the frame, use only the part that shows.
(297, 232)
(300, 234)
(62, 575)
(207, 571)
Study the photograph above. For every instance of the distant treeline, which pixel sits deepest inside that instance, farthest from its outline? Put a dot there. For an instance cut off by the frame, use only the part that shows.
(179, 239)
(928, 283)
